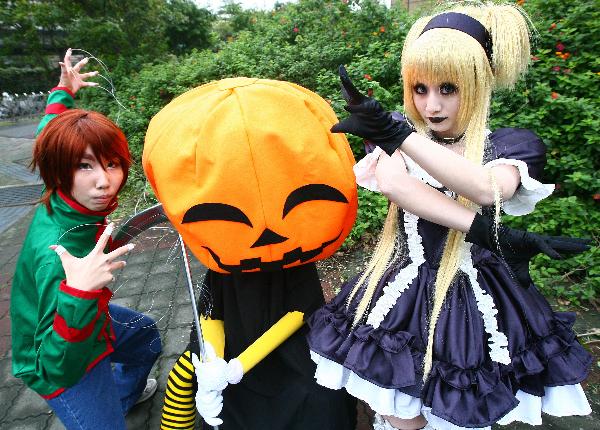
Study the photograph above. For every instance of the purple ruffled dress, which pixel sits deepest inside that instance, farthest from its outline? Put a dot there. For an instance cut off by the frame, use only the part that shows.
(501, 354)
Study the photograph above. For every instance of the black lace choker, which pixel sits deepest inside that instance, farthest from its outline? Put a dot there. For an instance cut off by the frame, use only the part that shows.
(446, 140)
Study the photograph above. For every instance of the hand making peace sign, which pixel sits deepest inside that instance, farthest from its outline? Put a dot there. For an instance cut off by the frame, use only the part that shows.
(94, 271)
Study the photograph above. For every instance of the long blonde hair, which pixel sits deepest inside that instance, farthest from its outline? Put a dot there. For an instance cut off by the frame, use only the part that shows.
(447, 55)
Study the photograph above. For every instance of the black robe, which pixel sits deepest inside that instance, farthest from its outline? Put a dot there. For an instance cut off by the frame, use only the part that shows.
(280, 392)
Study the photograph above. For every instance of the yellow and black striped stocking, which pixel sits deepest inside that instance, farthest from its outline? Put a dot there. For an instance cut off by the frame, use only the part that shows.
(179, 408)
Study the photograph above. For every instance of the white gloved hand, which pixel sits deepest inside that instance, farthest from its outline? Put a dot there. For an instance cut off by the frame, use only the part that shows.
(213, 376)
(209, 405)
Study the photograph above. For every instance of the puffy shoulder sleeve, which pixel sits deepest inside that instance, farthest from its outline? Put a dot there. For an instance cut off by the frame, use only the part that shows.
(364, 170)
(523, 149)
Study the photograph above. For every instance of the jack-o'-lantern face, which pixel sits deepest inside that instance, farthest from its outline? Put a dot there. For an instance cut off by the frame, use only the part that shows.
(250, 175)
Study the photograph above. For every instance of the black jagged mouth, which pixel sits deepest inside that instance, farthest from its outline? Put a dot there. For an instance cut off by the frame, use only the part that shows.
(437, 119)
(289, 257)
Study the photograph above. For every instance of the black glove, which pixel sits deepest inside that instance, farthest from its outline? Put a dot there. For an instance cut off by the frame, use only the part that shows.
(368, 119)
(517, 247)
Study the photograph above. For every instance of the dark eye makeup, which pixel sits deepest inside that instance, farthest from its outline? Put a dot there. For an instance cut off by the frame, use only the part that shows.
(420, 89)
(448, 88)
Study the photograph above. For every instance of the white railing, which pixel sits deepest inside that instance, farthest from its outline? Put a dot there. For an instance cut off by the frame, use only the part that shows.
(15, 106)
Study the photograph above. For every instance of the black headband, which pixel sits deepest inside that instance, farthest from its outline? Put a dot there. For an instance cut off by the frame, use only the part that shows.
(466, 24)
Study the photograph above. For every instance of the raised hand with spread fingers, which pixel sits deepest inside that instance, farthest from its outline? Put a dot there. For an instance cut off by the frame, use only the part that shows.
(71, 76)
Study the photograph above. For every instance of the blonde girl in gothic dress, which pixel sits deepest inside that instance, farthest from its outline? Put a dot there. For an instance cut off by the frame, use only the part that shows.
(444, 328)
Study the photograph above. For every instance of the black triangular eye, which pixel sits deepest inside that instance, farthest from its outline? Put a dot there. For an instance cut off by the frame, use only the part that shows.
(215, 212)
(311, 192)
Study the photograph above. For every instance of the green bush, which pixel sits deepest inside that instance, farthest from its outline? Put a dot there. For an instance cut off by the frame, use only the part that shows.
(558, 100)
(305, 43)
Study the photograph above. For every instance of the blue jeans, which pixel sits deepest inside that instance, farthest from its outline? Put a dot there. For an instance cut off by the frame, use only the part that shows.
(104, 395)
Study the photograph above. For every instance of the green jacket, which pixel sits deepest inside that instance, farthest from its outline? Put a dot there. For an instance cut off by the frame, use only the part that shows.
(58, 332)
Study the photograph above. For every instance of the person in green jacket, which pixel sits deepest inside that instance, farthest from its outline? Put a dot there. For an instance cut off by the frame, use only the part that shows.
(88, 358)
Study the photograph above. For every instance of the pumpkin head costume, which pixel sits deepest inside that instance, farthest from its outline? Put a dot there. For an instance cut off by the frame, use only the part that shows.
(250, 175)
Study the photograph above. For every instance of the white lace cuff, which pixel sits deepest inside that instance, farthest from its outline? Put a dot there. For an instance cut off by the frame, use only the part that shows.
(529, 192)
(235, 371)
(364, 170)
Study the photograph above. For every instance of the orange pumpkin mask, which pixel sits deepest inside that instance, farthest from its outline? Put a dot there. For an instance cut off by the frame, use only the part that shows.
(250, 175)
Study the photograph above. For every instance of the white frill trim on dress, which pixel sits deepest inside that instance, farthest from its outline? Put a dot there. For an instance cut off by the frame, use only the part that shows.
(365, 177)
(565, 400)
(529, 192)
(386, 401)
(498, 342)
(561, 401)
(405, 277)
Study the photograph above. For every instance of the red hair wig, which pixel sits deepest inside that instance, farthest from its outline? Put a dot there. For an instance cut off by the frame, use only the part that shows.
(61, 144)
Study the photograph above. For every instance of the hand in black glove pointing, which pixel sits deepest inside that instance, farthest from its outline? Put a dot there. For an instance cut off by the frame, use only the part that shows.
(369, 120)
(517, 247)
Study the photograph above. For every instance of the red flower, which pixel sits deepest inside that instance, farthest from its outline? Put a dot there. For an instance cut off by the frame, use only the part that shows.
(552, 26)
(596, 196)
(370, 92)
(368, 77)
(296, 30)
(566, 55)
(534, 58)
(554, 95)
(520, 2)
(382, 29)
(560, 47)
(556, 68)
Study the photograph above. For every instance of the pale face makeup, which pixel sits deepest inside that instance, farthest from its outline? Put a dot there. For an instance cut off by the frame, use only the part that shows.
(438, 104)
(96, 182)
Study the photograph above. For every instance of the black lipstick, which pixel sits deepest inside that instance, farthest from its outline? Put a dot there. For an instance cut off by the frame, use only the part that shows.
(436, 119)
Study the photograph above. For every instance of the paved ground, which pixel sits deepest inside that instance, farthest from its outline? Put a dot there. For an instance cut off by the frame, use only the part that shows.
(152, 282)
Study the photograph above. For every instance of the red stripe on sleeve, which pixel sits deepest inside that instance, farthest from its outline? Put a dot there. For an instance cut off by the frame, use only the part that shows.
(71, 334)
(89, 295)
(65, 89)
(56, 108)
